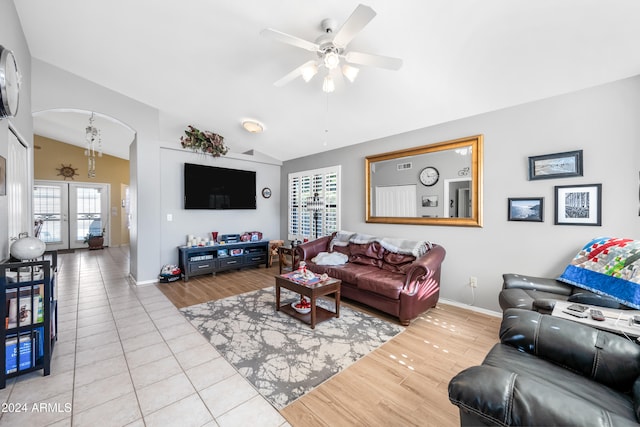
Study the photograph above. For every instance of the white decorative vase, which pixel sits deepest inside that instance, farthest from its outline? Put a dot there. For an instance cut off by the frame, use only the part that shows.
(27, 248)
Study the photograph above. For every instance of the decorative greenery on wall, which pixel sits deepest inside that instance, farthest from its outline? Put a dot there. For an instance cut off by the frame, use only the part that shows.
(205, 142)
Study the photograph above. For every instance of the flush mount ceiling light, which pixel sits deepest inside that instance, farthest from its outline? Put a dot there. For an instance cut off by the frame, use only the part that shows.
(253, 126)
(332, 50)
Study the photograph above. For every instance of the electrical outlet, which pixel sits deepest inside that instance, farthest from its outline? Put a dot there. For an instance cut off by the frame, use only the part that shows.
(473, 282)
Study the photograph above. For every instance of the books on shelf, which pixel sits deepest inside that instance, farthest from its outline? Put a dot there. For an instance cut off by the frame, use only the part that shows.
(19, 353)
(25, 307)
(299, 277)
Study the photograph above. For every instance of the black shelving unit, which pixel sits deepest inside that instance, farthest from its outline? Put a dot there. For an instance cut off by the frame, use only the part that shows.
(29, 309)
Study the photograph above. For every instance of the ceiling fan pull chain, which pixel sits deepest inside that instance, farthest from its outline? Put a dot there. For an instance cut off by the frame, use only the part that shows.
(326, 123)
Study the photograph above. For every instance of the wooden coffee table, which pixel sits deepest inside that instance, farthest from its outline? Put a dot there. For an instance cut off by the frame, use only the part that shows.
(313, 291)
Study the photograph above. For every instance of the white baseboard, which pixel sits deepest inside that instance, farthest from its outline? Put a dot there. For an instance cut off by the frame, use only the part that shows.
(471, 307)
(142, 283)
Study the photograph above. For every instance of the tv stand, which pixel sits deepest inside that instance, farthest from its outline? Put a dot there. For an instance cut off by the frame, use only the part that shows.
(194, 261)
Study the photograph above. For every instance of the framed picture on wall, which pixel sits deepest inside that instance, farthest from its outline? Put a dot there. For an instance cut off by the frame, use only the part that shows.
(558, 165)
(3, 176)
(429, 201)
(525, 209)
(578, 204)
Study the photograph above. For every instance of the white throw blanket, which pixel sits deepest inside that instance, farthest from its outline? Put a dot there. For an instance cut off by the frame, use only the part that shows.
(361, 239)
(406, 247)
(330, 258)
(341, 239)
(416, 248)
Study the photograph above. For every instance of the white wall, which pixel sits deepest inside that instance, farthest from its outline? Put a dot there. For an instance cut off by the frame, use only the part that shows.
(12, 38)
(603, 121)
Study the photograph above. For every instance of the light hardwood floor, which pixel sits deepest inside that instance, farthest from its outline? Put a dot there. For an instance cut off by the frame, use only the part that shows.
(402, 383)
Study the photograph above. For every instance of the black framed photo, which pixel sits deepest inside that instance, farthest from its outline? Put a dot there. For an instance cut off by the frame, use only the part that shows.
(558, 165)
(526, 209)
(578, 204)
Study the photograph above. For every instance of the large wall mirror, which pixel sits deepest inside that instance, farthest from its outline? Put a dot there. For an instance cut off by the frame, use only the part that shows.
(437, 184)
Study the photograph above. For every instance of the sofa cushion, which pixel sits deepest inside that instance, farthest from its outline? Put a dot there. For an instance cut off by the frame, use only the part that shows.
(382, 282)
(371, 250)
(397, 263)
(366, 254)
(318, 269)
(347, 273)
(365, 260)
(342, 249)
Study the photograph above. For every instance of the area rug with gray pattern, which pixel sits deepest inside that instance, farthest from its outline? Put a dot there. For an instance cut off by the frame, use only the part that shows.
(281, 356)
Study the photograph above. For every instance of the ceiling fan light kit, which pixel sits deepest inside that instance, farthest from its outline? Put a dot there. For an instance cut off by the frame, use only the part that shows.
(328, 84)
(309, 71)
(350, 72)
(331, 49)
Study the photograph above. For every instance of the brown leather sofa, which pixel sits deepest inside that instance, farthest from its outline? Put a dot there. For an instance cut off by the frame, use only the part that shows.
(398, 284)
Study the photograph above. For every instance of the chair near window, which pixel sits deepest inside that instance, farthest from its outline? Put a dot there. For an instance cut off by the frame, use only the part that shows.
(273, 249)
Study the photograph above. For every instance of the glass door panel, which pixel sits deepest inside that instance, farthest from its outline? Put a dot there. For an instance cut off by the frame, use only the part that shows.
(88, 208)
(50, 202)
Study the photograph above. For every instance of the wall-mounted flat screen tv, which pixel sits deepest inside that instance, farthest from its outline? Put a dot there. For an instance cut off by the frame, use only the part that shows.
(209, 187)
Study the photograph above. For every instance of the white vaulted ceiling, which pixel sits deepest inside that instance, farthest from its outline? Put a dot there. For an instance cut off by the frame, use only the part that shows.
(205, 63)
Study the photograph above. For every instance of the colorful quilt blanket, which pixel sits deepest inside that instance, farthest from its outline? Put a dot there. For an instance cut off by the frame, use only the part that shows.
(608, 266)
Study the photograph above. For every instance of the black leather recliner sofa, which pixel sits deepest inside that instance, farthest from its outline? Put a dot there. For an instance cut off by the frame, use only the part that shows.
(548, 371)
(540, 294)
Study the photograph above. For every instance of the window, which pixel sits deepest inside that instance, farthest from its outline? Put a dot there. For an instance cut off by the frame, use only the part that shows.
(308, 223)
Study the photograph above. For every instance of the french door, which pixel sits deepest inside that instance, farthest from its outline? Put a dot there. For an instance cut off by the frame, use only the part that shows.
(70, 211)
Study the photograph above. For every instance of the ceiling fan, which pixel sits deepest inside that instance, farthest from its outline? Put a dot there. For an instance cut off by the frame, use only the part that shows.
(331, 49)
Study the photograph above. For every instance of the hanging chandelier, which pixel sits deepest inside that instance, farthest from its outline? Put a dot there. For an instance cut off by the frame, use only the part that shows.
(94, 146)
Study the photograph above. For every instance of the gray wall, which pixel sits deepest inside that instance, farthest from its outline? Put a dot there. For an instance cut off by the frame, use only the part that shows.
(202, 222)
(602, 121)
(12, 37)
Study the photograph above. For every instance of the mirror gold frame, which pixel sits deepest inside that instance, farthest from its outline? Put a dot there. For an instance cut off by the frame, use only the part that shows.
(475, 218)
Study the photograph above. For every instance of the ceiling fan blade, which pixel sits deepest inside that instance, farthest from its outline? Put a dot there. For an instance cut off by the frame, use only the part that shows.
(373, 60)
(289, 39)
(294, 74)
(353, 25)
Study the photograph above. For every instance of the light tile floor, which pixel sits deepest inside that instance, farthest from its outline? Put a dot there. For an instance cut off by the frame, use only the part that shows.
(125, 356)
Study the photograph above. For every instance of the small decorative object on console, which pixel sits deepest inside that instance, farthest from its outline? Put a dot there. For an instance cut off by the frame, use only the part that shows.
(26, 248)
(230, 238)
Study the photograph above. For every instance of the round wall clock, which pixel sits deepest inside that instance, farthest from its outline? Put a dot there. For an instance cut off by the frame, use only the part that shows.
(266, 192)
(429, 176)
(9, 83)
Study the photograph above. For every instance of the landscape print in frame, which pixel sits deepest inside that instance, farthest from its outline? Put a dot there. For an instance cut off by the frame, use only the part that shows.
(525, 209)
(558, 165)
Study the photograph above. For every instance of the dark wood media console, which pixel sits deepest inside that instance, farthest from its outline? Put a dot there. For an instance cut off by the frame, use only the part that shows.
(198, 260)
